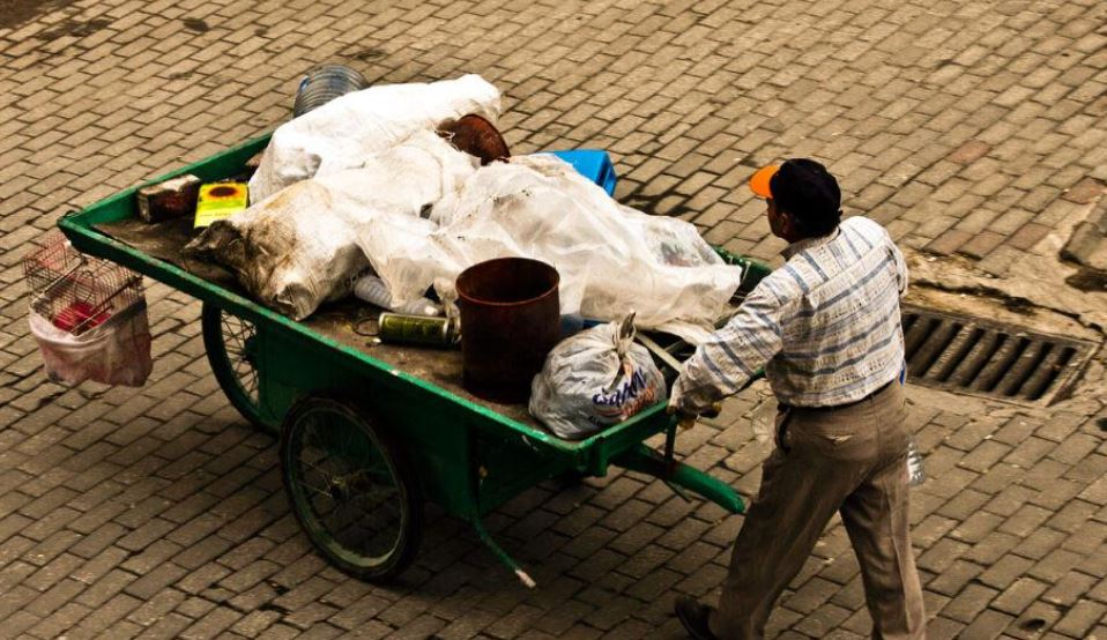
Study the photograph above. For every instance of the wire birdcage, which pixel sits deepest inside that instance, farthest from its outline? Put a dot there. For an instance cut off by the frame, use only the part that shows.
(74, 291)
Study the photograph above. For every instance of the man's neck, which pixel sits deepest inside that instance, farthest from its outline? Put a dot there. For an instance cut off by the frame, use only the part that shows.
(807, 243)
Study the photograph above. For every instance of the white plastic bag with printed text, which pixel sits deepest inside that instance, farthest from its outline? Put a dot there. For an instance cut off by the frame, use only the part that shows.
(595, 379)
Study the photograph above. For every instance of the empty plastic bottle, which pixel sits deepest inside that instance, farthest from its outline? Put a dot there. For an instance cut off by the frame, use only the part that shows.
(915, 473)
(373, 290)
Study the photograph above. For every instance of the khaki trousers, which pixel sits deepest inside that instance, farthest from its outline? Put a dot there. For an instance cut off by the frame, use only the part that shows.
(851, 460)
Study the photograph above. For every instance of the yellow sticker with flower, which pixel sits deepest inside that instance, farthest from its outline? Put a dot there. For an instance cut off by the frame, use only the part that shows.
(220, 200)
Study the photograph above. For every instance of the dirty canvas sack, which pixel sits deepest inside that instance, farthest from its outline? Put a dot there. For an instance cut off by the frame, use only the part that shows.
(114, 352)
(595, 379)
(344, 132)
(298, 249)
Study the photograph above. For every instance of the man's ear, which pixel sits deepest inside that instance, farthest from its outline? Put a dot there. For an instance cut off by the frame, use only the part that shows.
(788, 226)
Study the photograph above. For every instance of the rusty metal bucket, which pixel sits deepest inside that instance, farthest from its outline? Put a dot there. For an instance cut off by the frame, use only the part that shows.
(510, 316)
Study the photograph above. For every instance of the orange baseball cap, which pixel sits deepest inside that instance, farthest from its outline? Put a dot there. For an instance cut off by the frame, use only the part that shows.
(759, 182)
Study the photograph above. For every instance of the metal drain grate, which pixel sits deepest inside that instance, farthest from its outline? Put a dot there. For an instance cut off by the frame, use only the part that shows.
(971, 355)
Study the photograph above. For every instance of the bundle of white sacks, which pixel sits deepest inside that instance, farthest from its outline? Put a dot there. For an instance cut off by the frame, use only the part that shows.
(365, 181)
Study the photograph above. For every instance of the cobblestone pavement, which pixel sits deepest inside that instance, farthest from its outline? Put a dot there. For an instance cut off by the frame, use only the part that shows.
(974, 128)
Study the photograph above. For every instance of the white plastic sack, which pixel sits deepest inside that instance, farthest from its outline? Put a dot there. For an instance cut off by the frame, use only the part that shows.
(115, 352)
(595, 379)
(342, 133)
(611, 258)
(298, 249)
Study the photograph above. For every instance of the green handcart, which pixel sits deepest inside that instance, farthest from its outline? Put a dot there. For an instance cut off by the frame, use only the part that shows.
(369, 431)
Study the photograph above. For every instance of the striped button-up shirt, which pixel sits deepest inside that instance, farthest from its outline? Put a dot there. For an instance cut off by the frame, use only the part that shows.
(825, 326)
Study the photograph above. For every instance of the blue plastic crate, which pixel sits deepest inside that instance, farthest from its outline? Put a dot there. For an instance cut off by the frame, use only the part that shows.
(592, 164)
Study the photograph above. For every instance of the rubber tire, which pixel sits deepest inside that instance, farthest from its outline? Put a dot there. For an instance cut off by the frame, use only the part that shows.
(411, 522)
(211, 323)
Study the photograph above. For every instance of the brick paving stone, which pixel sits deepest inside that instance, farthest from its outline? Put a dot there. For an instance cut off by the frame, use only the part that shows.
(1081, 618)
(1069, 589)
(1005, 571)
(969, 604)
(989, 625)
(255, 623)
(970, 129)
(1085, 191)
(165, 628)
(1025, 520)
(991, 548)
(976, 527)
(108, 614)
(156, 580)
(1055, 565)
(981, 244)
(19, 622)
(1039, 543)
(105, 588)
(1019, 595)
(211, 624)
(949, 241)
(55, 598)
(1034, 620)
(156, 607)
(970, 152)
(1028, 235)
(953, 580)
(61, 620)
(1087, 538)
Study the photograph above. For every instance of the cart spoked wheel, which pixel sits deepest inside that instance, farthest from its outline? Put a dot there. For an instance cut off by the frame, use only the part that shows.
(350, 488)
(232, 346)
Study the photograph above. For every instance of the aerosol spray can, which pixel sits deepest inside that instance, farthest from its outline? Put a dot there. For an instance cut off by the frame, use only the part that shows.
(396, 328)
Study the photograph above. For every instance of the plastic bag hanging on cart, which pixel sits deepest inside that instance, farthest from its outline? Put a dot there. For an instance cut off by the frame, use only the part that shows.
(595, 379)
(115, 352)
(88, 317)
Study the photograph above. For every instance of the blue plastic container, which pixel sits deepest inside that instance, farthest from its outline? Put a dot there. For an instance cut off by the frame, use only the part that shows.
(592, 164)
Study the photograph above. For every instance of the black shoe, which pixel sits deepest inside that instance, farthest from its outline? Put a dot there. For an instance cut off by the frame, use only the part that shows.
(694, 615)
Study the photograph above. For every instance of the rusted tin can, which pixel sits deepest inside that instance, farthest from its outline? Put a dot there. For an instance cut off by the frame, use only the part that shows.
(478, 137)
(398, 328)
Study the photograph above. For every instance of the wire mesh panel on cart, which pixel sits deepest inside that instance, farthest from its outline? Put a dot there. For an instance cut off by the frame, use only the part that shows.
(88, 316)
(74, 291)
